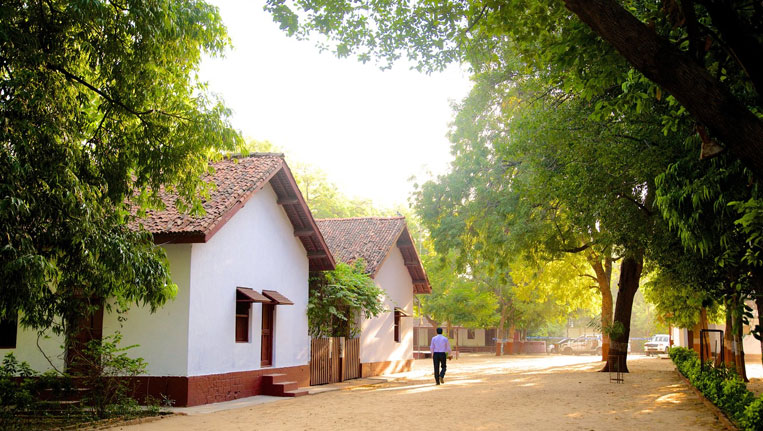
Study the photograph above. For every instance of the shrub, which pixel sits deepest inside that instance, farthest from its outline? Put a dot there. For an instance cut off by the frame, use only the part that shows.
(106, 370)
(20, 389)
(723, 387)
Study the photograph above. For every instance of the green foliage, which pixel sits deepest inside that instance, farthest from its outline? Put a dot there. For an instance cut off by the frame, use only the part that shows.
(20, 389)
(564, 143)
(15, 391)
(615, 330)
(100, 106)
(324, 198)
(723, 387)
(105, 371)
(536, 178)
(339, 298)
(457, 299)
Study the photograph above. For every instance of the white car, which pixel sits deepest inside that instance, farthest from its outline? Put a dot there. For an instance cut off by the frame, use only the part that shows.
(659, 343)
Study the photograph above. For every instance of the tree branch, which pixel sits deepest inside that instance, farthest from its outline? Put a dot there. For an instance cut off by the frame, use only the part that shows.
(708, 100)
(98, 91)
(641, 206)
(692, 27)
(576, 249)
(589, 276)
(740, 39)
(476, 20)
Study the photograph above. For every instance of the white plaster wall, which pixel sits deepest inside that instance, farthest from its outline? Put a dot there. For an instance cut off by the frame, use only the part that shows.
(161, 337)
(679, 337)
(377, 342)
(256, 249)
(26, 350)
(463, 340)
(424, 339)
(751, 344)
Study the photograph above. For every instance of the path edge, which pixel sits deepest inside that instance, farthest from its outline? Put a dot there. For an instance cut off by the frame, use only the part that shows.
(724, 420)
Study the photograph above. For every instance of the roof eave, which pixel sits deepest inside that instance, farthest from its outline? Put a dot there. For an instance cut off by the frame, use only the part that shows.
(319, 259)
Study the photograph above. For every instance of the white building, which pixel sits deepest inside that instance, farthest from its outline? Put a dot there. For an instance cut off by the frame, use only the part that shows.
(242, 276)
(386, 341)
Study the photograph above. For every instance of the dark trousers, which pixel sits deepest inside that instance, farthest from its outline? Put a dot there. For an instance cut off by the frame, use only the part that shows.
(439, 359)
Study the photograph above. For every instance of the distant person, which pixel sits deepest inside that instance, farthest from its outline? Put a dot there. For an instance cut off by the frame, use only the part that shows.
(440, 347)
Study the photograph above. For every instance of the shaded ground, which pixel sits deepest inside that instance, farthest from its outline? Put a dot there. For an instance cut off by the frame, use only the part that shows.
(484, 392)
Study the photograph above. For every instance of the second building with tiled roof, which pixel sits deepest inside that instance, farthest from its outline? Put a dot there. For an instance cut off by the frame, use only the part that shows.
(386, 341)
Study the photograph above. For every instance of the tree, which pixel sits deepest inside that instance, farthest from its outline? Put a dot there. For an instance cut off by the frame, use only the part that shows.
(339, 298)
(705, 54)
(697, 201)
(100, 110)
(457, 298)
(548, 292)
(696, 57)
(538, 172)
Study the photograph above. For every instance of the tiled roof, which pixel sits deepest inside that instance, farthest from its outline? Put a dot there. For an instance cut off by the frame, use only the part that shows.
(237, 180)
(371, 238)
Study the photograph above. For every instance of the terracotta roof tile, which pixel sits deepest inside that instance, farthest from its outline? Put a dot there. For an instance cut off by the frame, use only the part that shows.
(371, 238)
(236, 180)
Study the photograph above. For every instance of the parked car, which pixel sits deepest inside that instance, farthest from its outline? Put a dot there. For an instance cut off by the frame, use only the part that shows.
(584, 345)
(659, 343)
(554, 347)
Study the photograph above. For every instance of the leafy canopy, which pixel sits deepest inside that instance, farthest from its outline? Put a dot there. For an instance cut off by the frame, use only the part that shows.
(100, 106)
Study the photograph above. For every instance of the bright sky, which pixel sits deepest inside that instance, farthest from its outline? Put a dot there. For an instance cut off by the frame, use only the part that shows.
(369, 130)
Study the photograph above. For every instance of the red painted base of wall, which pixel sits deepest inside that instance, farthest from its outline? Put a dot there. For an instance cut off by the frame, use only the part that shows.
(213, 388)
(369, 369)
(510, 348)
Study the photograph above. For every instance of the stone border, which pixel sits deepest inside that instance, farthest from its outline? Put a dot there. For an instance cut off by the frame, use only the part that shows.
(722, 418)
(114, 422)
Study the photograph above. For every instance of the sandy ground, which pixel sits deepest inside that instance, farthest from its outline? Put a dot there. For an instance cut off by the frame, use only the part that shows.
(483, 392)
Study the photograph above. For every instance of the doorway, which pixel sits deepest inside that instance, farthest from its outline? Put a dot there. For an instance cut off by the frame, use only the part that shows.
(266, 346)
(86, 329)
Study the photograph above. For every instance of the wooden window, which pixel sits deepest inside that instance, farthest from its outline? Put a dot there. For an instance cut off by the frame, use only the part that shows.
(243, 311)
(397, 326)
(470, 334)
(8, 328)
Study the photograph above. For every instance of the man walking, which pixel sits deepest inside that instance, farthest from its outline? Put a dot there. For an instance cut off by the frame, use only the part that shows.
(439, 347)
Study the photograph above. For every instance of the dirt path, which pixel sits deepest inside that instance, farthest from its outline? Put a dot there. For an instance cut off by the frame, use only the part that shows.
(483, 392)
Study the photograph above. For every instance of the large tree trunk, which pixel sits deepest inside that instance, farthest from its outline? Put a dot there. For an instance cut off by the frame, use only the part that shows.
(732, 337)
(603, 279)
(630, 275)
(688, 81)
(502, 328)
(728, 337)
(739, 344)
(703, 337)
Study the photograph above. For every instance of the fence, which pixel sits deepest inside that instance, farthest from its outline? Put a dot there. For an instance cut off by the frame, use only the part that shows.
(334, 360)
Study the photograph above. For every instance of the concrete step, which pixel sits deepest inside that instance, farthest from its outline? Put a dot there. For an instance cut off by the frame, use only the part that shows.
(280, 388)
(270, 379)
(296, 393)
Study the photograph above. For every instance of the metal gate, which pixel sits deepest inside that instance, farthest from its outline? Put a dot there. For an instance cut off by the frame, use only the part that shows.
(334, 360)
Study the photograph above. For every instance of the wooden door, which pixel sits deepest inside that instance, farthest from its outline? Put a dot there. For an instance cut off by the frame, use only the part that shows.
(267, 335)
(86, 329)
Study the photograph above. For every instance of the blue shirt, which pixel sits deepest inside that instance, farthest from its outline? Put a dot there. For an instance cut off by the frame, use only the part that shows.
(439, 344)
